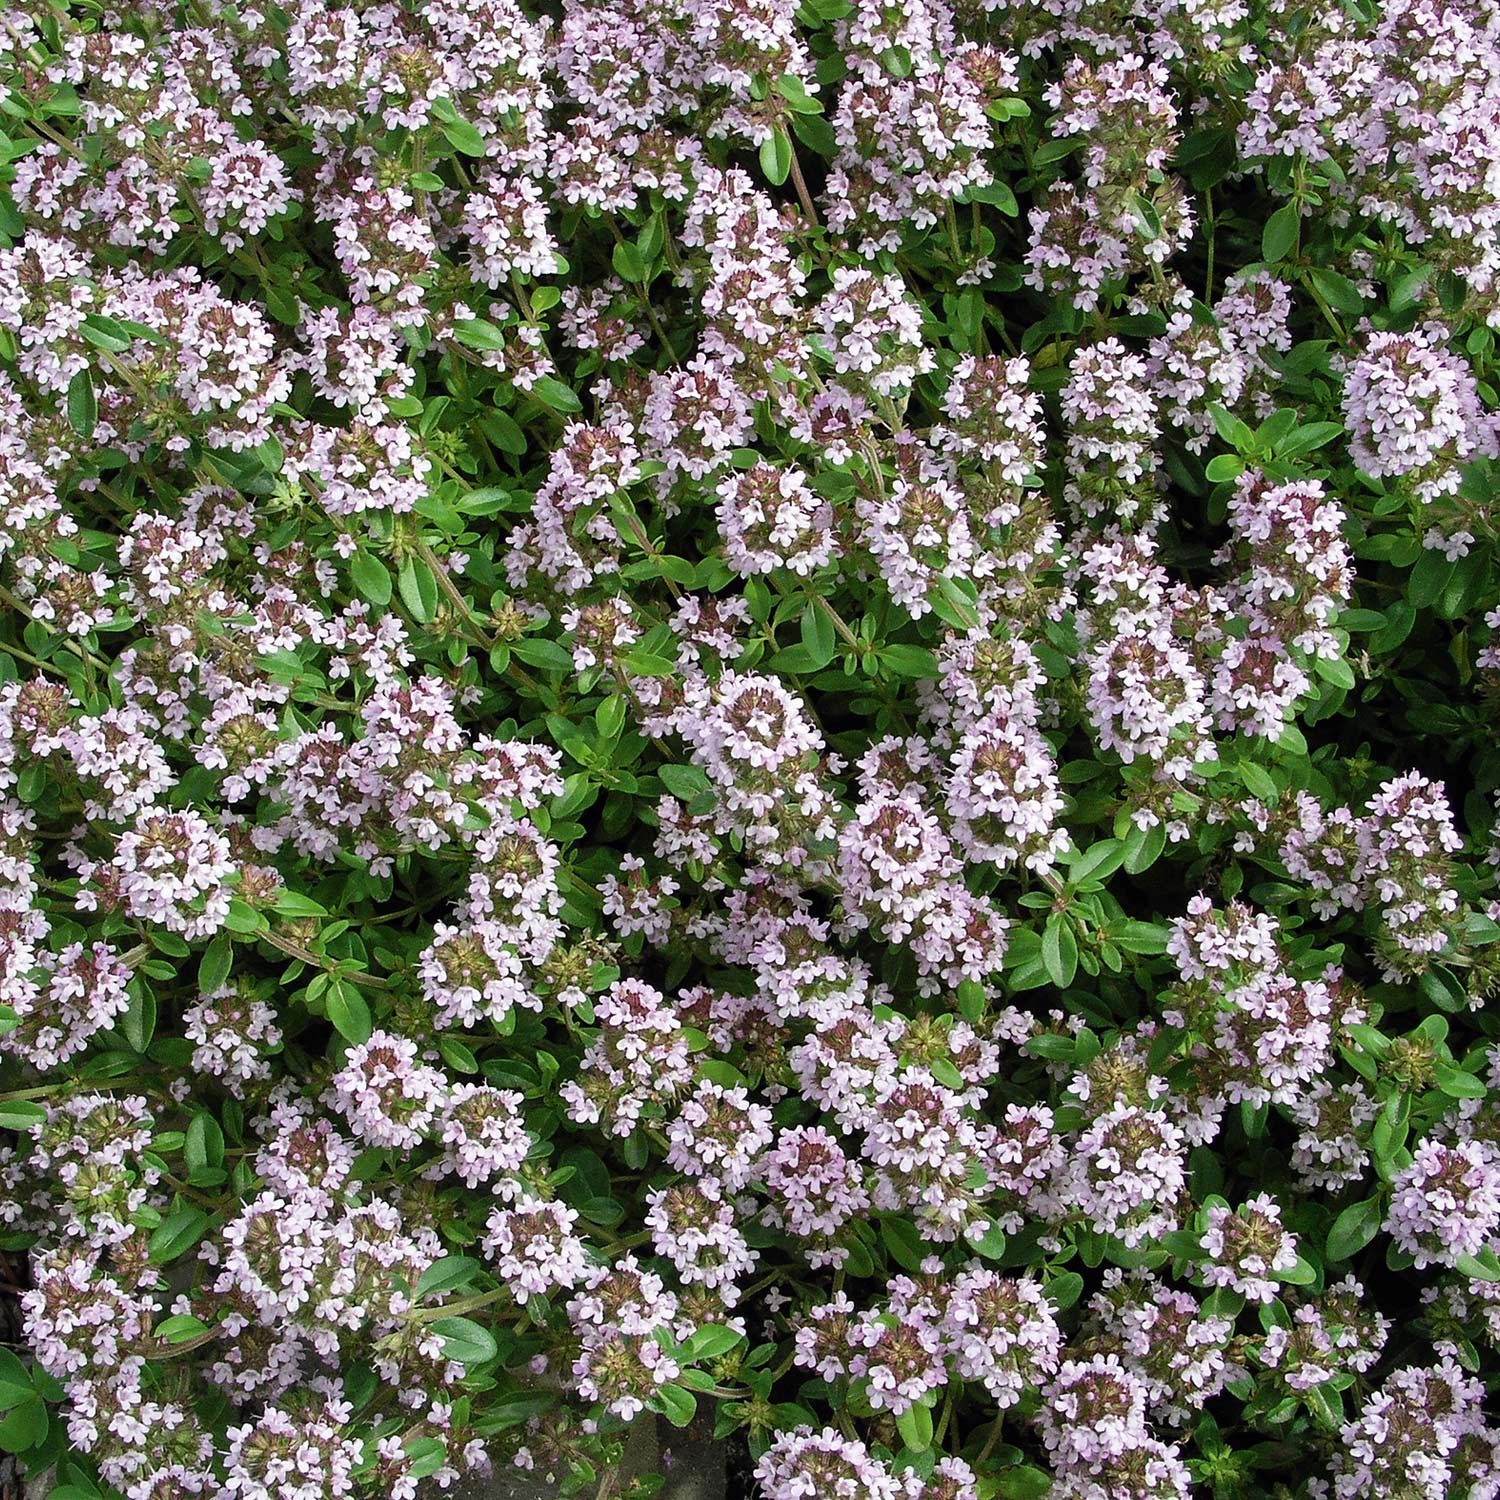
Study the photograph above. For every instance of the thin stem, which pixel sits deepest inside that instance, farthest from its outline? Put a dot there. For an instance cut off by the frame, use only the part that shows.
(1208, 215)
(644, 542)
(990, 1441)
(463, 1305)
(523, 299)
(328, 966)
(800, 183)
(455, 598)
(1325, 309)
(840, 629)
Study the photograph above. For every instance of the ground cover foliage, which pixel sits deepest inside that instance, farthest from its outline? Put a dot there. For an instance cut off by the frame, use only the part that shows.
(782, 715)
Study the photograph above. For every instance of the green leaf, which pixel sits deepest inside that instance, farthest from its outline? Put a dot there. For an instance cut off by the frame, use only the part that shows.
(1326, 1406)
(1354, 1229)
(1098, 862)
(457, 1056)
(1146, 217)
(1335, 670)
(711, 1341)
(1275, 427)
(463, 137)
(1482, 1267)
(419, 590)
(478, 333)
(997, 195)
(946, 1074)
(1280, 233)
(104, 332)
(20, 1114)
(903, 1242)
(1024, 1482)
(348, 1013)
(1065, 1289)
(683, 782)
(990, 1244)
(898, 61)
(1143, 847)
(1458, 1084)
(1231, 428)
(915, 1427)
(1308, 437)
(971, 1001)
(509, 1411)
(794, 91)
(465, 1341)
(214, 966)
(678, 1406)
(1428, 578)
(15, 1381)
(83, 405)
(548, 656)
(628, 263)
(817, 636)
(794, 661)
(1338, 291)
(1304, 1273)
(911, 661)
(179, 1328)
(776, 157)
(203, 1145)
(550, 391)
(1059, 951)
(609, 717)
(371, 577)
(648, 664)
(1224, 466)
(138, 1024)
(297, 905)
(1183, 1243)
(816, 134)
(424, 1456)
(491, 500)
(243, 918)
(177, 1233)
(24, 1427)
(1258, 781)
(445, 1274)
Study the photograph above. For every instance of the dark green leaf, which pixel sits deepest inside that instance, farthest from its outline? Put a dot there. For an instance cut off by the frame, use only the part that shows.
(1280, 233)
(213, 967)
(677, 1405)
(446, 1274)
(776, 157)
(1059, 951)
(348, 1013)
(83, 405)
(177, 1233)
(683, 782)
(465, 1341)
(1024, 1482)
(419, 590)
(1354, 1228)
(551, 392)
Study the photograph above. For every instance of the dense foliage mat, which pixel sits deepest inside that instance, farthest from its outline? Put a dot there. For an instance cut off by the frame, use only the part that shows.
(779, 714)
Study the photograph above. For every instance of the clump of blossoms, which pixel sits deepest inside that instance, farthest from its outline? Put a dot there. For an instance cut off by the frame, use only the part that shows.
(773, 721)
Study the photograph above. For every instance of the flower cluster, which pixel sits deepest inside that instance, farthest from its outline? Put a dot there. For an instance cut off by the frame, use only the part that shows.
(768, 718)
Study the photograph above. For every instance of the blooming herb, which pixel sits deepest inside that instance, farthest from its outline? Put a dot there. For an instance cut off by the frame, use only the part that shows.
(777, 715)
